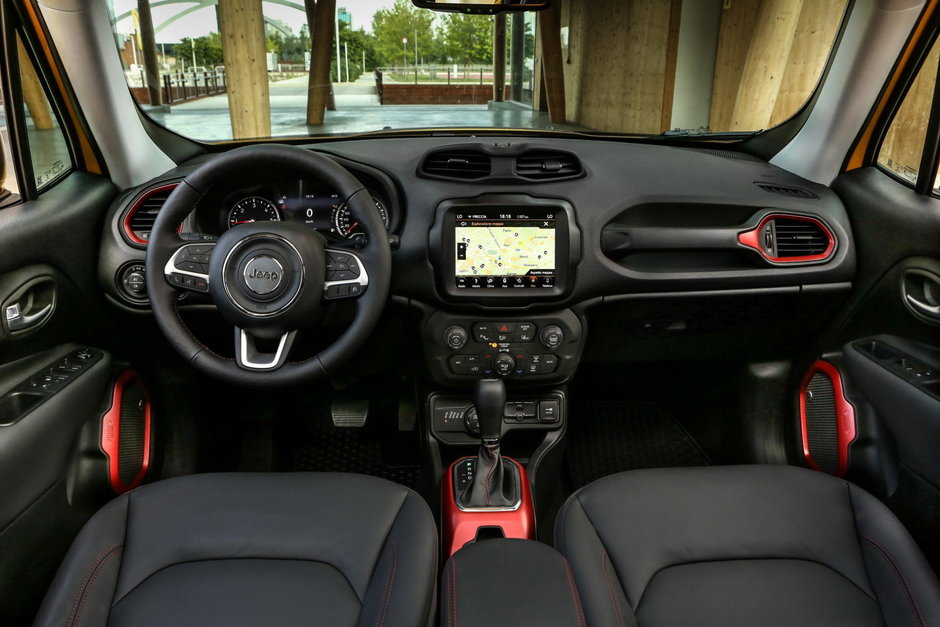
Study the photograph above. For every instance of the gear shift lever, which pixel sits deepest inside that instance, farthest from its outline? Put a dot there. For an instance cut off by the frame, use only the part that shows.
(495, 483)
(489, 396)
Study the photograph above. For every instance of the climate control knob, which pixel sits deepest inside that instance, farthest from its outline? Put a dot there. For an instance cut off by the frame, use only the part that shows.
(504, 364)
(456, 337)
(552, 336)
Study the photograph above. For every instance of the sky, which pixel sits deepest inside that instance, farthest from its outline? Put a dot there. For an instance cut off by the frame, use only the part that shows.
(203, 21)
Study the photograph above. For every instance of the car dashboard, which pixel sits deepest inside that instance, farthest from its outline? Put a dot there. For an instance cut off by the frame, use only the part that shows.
(506, 246)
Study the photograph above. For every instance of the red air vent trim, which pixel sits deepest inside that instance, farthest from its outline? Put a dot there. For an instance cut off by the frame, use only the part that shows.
(126, 224)
(111, 436)
(845, 416)
(751, 238)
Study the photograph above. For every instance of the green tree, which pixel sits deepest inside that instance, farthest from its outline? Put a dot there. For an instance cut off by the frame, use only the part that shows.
(208, 50)
(402, 21)
(467, 39)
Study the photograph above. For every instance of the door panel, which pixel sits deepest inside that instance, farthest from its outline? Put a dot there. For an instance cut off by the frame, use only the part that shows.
(49, 308)
(890, 347)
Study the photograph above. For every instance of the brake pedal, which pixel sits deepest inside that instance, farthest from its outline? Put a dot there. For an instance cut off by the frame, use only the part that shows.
(407, 416)
(349, 413)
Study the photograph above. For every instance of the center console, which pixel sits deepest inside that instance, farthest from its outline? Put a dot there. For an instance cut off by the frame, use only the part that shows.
(500, 261)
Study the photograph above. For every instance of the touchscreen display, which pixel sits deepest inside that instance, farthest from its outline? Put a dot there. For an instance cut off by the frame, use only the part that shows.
(505, 249)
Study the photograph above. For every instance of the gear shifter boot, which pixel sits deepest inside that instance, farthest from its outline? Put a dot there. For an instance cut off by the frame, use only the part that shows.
(495, 482)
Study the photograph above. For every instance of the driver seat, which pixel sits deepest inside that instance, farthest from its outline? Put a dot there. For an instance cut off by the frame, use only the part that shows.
(252, 549)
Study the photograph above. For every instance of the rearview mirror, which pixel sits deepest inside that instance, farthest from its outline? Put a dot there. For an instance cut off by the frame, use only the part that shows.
(482, 6)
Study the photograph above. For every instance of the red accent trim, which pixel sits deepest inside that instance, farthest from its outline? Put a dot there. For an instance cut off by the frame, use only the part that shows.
(751, 239)
(461, 527)
(126, 224)
(111, 435)
(845, 416)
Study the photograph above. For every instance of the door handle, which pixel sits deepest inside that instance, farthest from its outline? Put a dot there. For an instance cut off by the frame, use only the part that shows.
(18, 321)
(30, 306)
(921, 290)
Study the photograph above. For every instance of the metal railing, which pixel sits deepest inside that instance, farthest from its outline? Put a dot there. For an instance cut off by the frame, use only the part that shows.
(183, 86)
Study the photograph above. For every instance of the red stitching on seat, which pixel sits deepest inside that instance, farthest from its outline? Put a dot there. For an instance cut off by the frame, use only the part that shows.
(900, 576)
(610, 589)
(78, 603)
(453, 591)
(390, 583)
(574, 594)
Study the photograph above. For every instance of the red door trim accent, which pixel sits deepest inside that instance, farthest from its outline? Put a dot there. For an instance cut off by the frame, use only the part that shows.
(751, 239)
(126, 224)
(111, 435)
(461, 527)
(845, 416)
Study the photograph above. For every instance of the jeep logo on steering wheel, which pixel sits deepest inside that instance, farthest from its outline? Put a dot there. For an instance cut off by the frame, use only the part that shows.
(263, 274)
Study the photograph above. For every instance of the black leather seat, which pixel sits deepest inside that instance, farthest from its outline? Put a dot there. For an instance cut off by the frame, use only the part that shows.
(252, 549)
(745, 545)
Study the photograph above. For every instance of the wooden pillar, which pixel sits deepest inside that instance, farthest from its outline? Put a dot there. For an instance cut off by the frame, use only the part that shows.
(517, 56)
(148, 41)
(499, 58)
(35, 97)
(320, 16)
(672, 60)
(771, 42)
(549, 36)
(243, 47)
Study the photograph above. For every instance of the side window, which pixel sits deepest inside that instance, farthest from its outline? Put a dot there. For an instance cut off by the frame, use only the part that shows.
(48, 148)
(903, 145)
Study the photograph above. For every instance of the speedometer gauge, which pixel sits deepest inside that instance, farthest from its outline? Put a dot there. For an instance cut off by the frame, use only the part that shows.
(347, 226)
(253, 209)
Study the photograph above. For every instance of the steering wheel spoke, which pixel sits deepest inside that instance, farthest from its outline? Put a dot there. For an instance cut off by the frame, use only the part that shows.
(188, 267)
(250, 357)
(345, 275)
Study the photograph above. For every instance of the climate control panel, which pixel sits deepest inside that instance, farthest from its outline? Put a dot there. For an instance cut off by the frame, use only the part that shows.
(540, 348)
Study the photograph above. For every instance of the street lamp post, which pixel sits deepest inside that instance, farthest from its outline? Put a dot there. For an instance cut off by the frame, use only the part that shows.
(404, 52)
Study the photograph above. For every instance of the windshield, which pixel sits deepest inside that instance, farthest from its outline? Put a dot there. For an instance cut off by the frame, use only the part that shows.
(216, 71)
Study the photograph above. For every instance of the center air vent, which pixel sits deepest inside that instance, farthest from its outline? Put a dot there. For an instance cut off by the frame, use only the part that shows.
(783, 238)
(788, 190)
(139, 219)
(464, 165)
(548, 165)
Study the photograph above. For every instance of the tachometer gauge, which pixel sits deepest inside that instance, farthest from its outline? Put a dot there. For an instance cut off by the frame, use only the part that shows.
(253, 209)
(347, 226)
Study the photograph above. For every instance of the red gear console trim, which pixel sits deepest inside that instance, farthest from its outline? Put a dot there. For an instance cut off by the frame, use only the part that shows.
(460, 527)
(846, 429)
(111, 435)
(751, 239)
(126, 224)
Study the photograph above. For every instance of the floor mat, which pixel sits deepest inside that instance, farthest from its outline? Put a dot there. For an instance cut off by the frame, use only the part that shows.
(609, 437)
(321, 447)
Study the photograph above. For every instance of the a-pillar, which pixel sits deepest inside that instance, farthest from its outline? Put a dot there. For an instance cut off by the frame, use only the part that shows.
(246, 73)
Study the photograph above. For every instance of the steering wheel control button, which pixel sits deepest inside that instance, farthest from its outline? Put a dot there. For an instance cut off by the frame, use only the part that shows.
(456, 337)
(552, 336)
(263, 274)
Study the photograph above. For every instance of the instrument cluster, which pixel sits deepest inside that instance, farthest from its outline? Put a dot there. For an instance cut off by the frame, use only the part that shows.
(312, 204)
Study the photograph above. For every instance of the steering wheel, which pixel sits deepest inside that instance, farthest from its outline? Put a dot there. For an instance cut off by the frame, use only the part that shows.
(267, 279)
